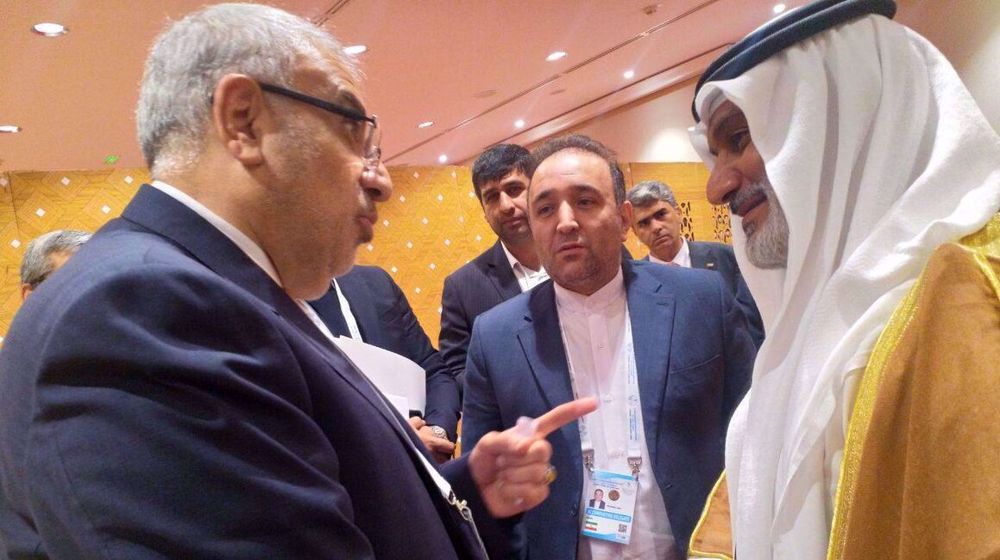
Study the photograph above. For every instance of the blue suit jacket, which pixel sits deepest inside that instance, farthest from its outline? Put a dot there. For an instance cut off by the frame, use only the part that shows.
(386, 320)
(694, 359)
(483, 283)
(162, 397)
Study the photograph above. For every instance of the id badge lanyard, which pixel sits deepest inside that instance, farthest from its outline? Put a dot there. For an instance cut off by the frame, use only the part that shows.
(632, 404)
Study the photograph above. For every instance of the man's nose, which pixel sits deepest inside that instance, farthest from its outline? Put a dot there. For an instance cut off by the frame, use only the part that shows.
(566, 218)
(724, 180)
(376, 183)
(506, 203)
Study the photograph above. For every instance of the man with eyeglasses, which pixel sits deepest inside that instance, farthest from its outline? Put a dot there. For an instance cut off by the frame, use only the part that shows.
(171, 394)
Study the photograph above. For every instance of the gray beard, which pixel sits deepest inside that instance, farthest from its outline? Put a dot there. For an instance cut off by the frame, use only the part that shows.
(767, 245)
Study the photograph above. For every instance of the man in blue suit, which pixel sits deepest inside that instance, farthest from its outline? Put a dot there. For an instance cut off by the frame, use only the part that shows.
(372, 308)
(664, 349)
(169, 394)
(656, 221)
(509, 267)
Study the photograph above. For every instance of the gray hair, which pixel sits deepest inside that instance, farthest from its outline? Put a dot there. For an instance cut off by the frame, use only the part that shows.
(188, 59)
(36, 264)
(649, 192)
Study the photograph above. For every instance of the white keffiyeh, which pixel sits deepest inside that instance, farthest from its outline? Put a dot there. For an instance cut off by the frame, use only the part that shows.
(878, 155)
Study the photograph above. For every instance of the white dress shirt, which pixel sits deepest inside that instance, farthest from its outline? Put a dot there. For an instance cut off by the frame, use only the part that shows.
(594, 335)
(682, 258)
(526, 278)
(345, 308)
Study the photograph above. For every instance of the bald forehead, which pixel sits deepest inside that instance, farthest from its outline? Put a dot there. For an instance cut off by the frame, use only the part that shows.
(328, 77)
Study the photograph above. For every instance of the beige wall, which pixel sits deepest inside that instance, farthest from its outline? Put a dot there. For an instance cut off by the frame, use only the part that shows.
(966, 31)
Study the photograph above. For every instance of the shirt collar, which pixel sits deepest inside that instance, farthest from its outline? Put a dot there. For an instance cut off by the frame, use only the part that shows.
(611, 293)
(682, 258)
(514, 263)
(247, 245)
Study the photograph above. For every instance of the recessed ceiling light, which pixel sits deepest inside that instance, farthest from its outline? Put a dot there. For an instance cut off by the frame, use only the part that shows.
(355, 49)
(519, 123)
(443, 158)
(778, 8)
(690, 129)
(49, 29)
(425, 124)
(629, 74)
(555, 56)
(9, 128)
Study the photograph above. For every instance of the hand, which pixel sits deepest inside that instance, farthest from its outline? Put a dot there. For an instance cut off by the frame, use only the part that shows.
(511, 468)
(416, 423)
(440, 448)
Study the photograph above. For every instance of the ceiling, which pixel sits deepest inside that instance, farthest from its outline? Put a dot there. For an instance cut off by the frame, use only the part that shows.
(473, 67)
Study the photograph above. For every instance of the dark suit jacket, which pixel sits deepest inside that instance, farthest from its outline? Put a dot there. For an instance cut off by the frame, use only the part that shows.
(720, 258)
(386, 320)
(479, 285)
(162, 397)
(694, 359)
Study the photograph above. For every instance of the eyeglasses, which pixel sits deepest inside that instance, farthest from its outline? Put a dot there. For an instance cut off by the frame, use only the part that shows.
(369, 136)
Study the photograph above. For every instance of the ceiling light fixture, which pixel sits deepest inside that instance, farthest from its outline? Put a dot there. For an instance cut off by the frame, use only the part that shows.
(554, 56)
(629, 74)
(519, 123)
(9, 128)
(49, 29)
(778, 8)
(442, 158)
(426, 124)
(355, 49)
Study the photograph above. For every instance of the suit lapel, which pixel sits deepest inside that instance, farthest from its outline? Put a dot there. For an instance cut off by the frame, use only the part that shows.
(162, 214)
(503, 278)
(651, 314)
(542, 343)
(701, 257)
(363, 308)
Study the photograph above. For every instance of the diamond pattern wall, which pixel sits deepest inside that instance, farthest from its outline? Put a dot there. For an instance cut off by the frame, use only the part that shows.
(432, 225)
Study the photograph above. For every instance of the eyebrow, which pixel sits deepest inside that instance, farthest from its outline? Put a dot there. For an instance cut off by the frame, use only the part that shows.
(348, 98)
(576, 189)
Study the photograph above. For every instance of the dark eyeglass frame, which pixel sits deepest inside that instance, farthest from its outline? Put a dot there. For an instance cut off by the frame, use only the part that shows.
(373, 158)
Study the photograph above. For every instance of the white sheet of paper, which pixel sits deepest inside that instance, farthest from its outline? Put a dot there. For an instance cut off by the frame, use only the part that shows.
(402, 380)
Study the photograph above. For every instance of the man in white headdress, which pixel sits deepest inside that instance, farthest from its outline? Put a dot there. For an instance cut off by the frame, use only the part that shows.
(864, 184)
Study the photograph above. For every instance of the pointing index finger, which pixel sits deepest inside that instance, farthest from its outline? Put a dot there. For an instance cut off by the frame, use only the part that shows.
(562, 415)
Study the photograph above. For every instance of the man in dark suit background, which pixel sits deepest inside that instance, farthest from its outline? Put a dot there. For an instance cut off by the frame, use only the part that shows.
(168, 393)
(376, 311)
(656, 221)
(600, 318)
(509, 267)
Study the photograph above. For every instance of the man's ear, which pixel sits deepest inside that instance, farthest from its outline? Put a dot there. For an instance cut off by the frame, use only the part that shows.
(240, 118)
(625, 213)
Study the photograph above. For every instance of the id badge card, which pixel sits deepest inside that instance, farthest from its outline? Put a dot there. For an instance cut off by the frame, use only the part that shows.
(609, 500)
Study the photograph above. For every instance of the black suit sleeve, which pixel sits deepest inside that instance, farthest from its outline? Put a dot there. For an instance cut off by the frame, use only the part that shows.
(170, 428)
(456, 329)
(410, 340)
(740, 354)
(749, 307)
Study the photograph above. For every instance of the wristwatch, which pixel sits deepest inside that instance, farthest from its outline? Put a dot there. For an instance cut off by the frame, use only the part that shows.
(438, 432)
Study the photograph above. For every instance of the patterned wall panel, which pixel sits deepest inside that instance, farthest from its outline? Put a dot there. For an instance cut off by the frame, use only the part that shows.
(706, 222)
(432, 225)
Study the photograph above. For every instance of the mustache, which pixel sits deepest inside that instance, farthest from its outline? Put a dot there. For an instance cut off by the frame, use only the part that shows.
(753, 190)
